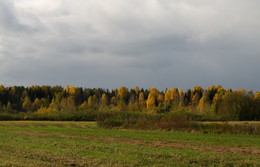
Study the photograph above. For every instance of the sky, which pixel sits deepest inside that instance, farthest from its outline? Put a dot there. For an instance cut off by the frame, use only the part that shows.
(113, 43)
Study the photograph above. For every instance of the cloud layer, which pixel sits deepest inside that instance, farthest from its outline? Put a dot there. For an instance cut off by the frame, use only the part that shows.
(109, 43)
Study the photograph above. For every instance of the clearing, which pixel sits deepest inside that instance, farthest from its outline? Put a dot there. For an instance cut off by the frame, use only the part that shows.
(31, 143)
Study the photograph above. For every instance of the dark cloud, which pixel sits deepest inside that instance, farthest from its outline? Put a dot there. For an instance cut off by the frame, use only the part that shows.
(96, 43)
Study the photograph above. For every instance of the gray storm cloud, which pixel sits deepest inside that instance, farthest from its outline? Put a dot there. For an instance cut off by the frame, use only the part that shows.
(109, 43)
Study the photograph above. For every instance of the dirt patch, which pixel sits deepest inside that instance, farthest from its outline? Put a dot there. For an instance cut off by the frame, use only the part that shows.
(176, 145)
(169, 144)
(33, 133)
(219, 149)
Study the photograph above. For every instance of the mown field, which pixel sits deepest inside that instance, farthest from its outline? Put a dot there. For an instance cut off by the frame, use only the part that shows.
(28, 143)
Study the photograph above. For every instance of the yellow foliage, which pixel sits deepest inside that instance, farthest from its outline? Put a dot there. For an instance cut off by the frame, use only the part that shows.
(27, 104)
(197, 89)
(136, 89)
(68, 104)
(37, 104)
(214, 88)
(216, 98)
(104, 100)
(181, 95)
(242, 91)
(257, 95)
(195, 99)
(2, 87)
(151, 101)
(113, 101)
(167, 96)
(141, 101)
(83, 106)
(141, 98)
(71, 90)
(203, 106)
(91, 102)
(160, 99)
(42, 111)
(175, 95)
(154, 91)
(122, 92)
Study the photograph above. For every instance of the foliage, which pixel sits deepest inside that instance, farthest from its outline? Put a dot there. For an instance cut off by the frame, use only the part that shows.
(213, 103)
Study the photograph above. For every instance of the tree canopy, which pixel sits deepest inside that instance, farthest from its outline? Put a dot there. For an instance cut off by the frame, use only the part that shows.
(214, 101)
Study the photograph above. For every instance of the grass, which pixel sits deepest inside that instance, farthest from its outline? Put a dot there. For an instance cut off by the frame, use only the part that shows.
(30, 143)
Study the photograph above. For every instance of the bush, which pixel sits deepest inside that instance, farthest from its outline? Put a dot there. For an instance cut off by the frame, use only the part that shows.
(110, 123)
(142, 121)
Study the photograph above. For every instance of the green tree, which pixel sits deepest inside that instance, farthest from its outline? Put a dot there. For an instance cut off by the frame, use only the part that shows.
(8, 108)
(236, 106)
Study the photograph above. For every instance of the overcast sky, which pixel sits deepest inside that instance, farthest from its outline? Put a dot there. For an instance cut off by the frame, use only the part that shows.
(112, 43)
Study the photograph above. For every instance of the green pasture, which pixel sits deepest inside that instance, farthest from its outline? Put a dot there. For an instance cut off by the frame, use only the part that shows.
(31, 143)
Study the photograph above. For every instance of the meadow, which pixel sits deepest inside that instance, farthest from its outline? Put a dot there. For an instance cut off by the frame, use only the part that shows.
(46, 143)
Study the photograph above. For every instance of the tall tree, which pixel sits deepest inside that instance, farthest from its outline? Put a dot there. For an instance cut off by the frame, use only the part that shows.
(27, 104)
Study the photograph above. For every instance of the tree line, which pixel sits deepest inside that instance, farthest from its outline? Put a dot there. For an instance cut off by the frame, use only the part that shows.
(214, 102)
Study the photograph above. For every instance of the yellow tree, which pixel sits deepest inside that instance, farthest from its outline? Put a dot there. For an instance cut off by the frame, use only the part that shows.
(203, 106)
(241, 91)
(141, 101)
(181, 95)
(27, 104)
(152, 97)
(197, 90)
(136, 89)
(160, 99)
(167, 97)
(195, 99)
(257, 95)
(122, 92)
(69, 104)
(92, 102)
(215, 103)
(175, 95)
(104, 101)
(83, 106)
(37, 104)
(151, 101)
(154, 91)
(70, 90)
(114, 101)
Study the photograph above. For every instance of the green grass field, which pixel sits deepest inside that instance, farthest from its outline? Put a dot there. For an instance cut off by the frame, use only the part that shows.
(85, 144)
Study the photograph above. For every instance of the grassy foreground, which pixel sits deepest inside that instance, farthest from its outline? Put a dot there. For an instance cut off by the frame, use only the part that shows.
(85, 144)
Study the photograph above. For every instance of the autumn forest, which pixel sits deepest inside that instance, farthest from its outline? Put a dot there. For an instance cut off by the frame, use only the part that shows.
(212, 103)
